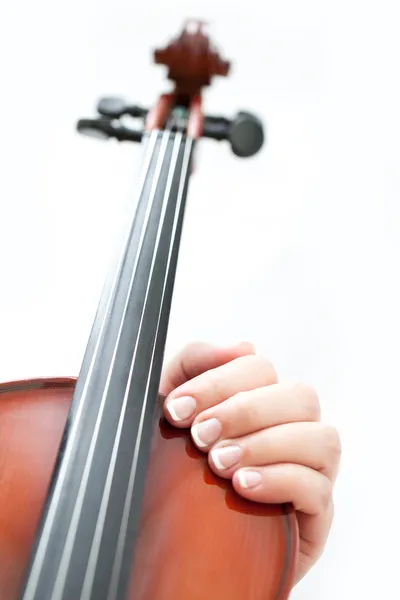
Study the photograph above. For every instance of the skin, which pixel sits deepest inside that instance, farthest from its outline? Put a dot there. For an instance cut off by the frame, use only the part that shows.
(266, 437)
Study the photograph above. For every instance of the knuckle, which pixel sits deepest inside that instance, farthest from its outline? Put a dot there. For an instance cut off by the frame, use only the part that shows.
(211, 386)
(192, 348)
(262, 364)
(325, 492)
(241, 413)
(240, 400)
(332, 443)
(235, 412)
(213, 383)
(307, 396)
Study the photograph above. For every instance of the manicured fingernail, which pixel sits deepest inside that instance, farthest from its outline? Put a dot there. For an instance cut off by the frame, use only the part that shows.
(182, 408)
(206, 433)
(224, 458)
(249, 479)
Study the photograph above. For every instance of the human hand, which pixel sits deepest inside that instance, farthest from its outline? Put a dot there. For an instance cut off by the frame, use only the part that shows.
(267, 437)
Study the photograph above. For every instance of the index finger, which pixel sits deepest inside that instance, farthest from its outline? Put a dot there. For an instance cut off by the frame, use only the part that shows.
(196, 358)
(216, 385)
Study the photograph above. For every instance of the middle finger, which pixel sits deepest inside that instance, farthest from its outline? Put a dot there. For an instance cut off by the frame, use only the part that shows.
(247, 412)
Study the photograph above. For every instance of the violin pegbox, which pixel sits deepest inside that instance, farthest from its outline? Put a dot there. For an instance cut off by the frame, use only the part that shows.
(192, 61)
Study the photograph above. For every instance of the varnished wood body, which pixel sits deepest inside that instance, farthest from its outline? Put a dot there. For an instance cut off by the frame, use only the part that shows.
(198, 540)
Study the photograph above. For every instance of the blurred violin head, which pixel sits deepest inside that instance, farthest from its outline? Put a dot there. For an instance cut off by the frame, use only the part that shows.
(192, 61)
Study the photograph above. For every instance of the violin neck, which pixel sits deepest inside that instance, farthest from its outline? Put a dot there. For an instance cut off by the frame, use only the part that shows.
(86, 539)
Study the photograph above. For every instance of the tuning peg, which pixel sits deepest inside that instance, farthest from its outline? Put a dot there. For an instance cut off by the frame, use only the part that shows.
(96, 128)
(104, 129)
(113, 107)
(246, 134)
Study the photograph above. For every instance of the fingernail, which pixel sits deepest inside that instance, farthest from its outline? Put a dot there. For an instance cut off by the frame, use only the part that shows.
(249, 479)
(206, 433)
(224, 458)
(182, 408)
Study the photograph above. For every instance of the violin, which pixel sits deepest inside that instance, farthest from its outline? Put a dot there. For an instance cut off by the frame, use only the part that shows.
(100, 498)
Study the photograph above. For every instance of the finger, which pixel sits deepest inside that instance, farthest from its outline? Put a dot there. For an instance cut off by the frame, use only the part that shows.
(311, 444)
(307, 490)
(196, 358)
(313, 532)
(215, 386)
(247, 412)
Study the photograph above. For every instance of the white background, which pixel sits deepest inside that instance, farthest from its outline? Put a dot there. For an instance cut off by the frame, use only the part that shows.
(296, 250)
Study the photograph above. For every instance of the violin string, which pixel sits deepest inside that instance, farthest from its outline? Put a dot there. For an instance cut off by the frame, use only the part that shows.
(38, 561)
(63, 567)
(95, 548)
(115, 578)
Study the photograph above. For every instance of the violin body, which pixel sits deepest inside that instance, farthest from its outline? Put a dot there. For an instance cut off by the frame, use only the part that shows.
(100, 498)
(223, 546)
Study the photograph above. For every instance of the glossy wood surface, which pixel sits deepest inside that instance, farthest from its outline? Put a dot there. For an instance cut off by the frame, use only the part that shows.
(198, 540)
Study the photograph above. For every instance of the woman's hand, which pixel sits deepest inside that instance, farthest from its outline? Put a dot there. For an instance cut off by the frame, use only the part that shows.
(263, 435)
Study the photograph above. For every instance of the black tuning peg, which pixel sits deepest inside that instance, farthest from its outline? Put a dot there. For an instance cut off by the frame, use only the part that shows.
(245, 132)
(111, 107)
(246, 135)
(104, 129)
(116, 107)
(96, 128)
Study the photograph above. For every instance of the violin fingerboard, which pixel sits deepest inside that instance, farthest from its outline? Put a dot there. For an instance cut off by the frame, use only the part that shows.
(86, 540)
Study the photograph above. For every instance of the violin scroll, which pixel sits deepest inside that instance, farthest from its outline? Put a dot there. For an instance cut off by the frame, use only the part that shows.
(192, 60)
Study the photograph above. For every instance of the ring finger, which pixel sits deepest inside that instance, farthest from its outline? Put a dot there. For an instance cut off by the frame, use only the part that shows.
(310, 444)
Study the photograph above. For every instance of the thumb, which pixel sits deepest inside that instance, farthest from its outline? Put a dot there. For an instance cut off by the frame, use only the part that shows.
(196, 358)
